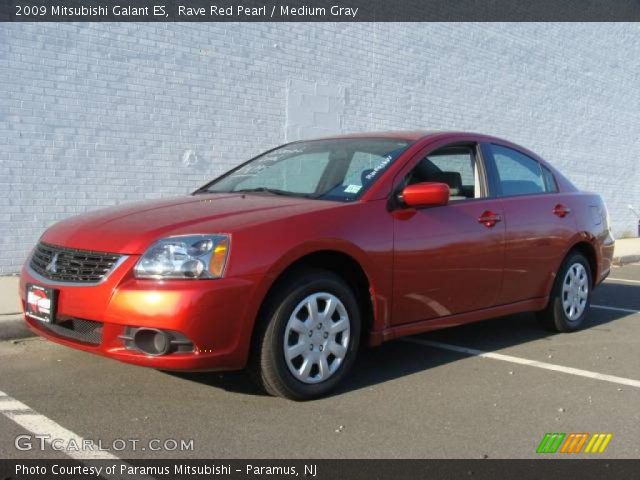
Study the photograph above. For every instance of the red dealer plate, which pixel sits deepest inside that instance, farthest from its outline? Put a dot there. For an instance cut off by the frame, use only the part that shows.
(41, 303)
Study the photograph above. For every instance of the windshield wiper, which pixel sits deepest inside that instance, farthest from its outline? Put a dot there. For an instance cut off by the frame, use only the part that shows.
(274, 191)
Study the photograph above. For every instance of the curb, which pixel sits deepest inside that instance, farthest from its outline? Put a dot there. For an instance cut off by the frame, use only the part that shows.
(619, 261)
(13, 327)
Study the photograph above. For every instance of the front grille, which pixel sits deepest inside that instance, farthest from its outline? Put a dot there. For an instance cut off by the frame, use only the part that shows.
(71, 265)
(86, 331)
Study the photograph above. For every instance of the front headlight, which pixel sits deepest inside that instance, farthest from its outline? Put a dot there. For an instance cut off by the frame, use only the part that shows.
(188, 256)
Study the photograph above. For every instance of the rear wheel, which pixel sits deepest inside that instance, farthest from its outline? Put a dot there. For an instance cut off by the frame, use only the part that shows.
(308, 337)
(570, 297)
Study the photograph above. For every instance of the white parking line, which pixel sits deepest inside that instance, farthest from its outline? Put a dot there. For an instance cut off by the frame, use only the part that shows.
(625, 280)
(524, 361)
(38, 424)
(615, 309)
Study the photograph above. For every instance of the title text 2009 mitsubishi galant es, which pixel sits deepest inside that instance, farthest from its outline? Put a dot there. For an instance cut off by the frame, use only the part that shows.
(289, 263)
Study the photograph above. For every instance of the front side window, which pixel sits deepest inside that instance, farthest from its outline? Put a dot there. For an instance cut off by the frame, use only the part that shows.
(338, 169)
(455, 166)
(517, 173)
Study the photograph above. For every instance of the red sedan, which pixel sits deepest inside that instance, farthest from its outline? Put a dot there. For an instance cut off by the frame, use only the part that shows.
(290, 262)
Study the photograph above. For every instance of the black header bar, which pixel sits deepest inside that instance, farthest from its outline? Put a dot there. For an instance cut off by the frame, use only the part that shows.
(319, 10)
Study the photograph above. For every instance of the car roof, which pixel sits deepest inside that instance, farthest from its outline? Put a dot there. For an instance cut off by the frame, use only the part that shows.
(416, 135)
(413, 135)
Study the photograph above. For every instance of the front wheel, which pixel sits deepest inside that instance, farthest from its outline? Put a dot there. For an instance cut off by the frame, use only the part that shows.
(570, 297)
(308, 337)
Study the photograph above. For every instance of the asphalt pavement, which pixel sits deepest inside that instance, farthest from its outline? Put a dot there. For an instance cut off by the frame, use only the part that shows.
(486, 390)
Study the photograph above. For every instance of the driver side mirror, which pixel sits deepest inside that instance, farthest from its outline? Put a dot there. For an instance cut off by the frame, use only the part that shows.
(427, 194)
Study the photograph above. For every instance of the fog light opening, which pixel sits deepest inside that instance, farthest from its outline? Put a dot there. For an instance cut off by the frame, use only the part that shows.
(152, 341)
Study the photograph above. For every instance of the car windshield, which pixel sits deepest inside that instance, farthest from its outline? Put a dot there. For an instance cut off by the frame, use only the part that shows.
(338, 169)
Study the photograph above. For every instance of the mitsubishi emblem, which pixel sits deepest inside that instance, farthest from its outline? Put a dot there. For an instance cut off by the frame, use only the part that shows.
(51, 266)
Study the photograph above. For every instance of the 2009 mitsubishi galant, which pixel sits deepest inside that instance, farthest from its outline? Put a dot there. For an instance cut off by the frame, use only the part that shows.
(290, 262)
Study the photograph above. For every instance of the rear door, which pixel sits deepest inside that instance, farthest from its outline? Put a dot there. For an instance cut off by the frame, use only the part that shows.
(448, 259)
(539, 223)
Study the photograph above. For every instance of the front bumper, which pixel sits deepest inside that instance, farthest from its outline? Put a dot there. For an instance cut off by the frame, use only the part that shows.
(215, 315)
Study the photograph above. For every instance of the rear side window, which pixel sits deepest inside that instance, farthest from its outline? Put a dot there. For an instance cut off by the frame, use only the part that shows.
(518, 174)
(549, 180)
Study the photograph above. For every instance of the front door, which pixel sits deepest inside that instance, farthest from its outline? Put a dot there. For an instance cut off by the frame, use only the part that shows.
(448, 259)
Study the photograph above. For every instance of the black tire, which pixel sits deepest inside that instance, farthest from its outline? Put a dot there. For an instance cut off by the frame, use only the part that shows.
(554, 317)
(268, 365)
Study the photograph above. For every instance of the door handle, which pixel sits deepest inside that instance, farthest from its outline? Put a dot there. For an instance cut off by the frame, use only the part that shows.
(561, 210)
(489, 219)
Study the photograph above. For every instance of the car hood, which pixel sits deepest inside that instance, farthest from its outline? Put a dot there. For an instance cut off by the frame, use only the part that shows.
(130, 229)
